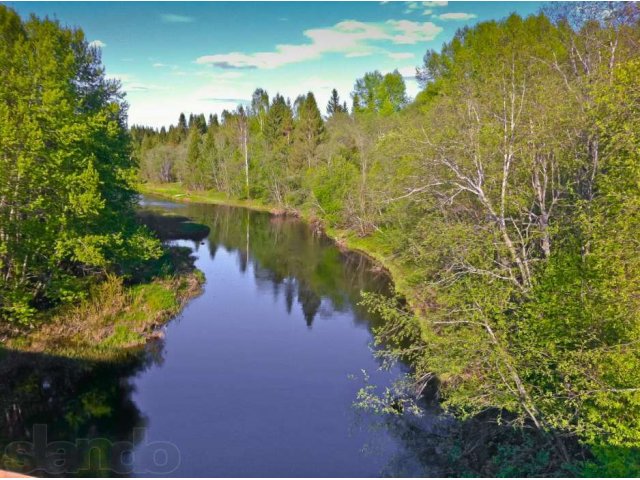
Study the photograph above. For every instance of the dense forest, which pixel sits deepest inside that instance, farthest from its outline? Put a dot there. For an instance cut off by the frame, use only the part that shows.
(504, 198)
(70, 243)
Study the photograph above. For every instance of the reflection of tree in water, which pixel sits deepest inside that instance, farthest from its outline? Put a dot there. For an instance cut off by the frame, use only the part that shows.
(75, 399)
(485, 445)
(310, 303)
(289, 260)
(289, 293)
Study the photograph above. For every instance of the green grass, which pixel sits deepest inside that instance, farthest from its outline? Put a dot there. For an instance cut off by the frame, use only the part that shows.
(114, 321)
(122, 337)
(175, 191)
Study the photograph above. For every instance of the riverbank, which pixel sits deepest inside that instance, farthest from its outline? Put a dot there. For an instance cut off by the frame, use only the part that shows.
(116, 319)
(174, 191)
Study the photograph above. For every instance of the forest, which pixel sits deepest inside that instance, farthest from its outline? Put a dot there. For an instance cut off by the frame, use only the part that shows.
(72, 253)
(504, 199)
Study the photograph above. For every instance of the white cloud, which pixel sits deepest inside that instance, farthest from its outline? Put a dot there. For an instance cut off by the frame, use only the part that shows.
(161, 65)
(401, 55)
(131, 84)
(350, 37)
(97, 43)
(173, 18)
(457, 16)
(411, 7)
(410, 33)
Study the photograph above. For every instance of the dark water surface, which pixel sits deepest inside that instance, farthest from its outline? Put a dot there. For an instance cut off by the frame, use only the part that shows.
(256, 377)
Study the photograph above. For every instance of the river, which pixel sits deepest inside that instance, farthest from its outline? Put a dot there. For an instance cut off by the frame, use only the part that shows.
(256, 377)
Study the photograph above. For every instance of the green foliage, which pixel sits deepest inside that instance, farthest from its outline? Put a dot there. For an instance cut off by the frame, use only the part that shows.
(375, 93)
(508, 196)
(612, 462)
(331, 186)
(66, 171)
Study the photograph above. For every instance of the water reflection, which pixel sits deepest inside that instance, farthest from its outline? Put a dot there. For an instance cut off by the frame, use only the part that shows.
(290, 260)
(252, 378)
(46, 399)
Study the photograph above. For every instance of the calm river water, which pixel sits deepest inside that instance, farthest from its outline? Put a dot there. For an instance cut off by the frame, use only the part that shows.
(256, 377)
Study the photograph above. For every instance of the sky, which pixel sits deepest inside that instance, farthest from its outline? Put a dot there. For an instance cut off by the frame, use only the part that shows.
(204, 57)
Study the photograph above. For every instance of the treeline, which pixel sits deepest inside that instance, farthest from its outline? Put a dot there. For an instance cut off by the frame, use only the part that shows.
(277, 151)
(506, 195)
(66, 171)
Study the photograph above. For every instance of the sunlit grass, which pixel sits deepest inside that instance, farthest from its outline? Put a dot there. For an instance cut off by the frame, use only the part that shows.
(175, 191)
(113, 321)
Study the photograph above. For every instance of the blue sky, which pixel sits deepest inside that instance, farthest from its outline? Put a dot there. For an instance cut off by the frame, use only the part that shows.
(197, 57)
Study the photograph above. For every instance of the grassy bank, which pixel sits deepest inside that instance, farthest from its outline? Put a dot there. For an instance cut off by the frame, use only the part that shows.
(113, 321)
(175, 191)
(116, 318)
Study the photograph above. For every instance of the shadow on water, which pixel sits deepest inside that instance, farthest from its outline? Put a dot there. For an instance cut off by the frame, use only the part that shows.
(292, 353)
(250, 380)
(63, 416)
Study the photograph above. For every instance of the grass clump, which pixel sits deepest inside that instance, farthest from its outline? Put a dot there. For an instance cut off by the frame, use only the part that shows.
(116, 318)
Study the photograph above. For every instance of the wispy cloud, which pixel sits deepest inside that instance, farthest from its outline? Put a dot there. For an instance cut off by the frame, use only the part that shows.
(350, 37)
(226, 100)
(412, 6)
(426, 8)
(457, 16)
(401, 55)
(173, 18)
(97, 44)
(131, 84)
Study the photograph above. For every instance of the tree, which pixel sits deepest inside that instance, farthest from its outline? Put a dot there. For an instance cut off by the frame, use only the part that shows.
(279, 123)
(334, 106)
(260, 107)
(243, 136)
(195, 169)
(182, 124)
(66, 168)
(309, 129)
(375, 93)
(392, 94)
(213, 121)
(366, 91)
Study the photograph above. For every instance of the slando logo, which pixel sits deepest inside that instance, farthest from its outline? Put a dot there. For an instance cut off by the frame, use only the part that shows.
(91, 455)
